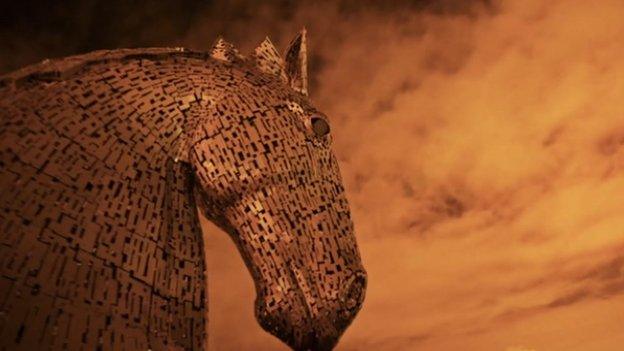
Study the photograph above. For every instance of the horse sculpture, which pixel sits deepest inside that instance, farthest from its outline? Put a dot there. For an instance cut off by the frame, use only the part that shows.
(104, 160)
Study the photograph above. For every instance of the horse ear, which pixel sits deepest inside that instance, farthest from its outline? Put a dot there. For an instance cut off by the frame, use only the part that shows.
(297, 63)
(268, 60)
(224, 51)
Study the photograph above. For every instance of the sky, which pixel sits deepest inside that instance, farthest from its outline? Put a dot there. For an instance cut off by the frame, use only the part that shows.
(481, 146)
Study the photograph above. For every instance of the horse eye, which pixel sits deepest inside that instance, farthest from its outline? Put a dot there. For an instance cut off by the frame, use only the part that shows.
(320, 126)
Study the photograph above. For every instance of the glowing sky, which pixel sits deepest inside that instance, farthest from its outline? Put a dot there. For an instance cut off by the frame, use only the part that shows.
(483, 154)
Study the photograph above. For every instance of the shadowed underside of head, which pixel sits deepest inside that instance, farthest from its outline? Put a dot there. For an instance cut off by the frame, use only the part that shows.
(267, 175)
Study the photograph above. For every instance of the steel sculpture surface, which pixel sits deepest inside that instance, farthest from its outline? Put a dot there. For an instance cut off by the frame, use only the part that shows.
(104, 159)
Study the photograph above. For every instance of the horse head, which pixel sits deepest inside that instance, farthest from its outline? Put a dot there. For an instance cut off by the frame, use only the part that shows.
(267, 175)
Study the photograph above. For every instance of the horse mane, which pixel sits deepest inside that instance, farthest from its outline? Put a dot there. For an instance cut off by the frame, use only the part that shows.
(292, 71)
(66, 67)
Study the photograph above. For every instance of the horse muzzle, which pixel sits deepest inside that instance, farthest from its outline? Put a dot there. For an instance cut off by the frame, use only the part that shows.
(307, 324)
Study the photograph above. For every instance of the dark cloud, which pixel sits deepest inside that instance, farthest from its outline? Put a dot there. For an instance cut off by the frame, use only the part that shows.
(601, 281)
(33, 30)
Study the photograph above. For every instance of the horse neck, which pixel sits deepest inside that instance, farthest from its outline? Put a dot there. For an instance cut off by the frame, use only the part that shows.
(148, 91)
